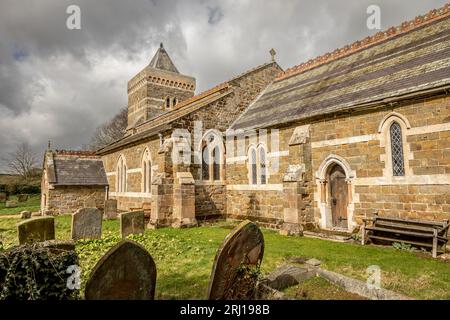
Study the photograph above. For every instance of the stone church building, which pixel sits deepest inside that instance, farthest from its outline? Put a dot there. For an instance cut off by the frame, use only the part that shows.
(322, 145)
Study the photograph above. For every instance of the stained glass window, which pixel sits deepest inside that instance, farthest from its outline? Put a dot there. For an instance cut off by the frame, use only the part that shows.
(262, 164)
(205, 163)
(216, 164)
(398, 166)
(253, 173)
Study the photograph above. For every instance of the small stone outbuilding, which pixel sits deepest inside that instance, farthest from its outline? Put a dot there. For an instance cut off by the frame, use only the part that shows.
(72, 180)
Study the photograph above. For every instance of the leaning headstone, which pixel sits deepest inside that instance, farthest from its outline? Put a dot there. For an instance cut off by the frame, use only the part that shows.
(2, 196)
(131, 223)
(22, 197)
(36, 230)
(11, 204)
(236, 265)
(111, 209)
(87, 224)
(126, 272)
(25, 215)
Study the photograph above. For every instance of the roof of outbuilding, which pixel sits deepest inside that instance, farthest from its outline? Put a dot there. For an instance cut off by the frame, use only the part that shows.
(410, 58)
(75, 168)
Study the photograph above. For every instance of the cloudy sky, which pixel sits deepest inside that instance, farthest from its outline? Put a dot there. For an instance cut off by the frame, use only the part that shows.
(59, 84)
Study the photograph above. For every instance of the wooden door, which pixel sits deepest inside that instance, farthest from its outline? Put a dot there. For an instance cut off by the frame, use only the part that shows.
(338, 197)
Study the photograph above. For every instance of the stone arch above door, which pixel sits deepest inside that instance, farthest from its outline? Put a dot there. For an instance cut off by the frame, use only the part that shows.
(322, 195)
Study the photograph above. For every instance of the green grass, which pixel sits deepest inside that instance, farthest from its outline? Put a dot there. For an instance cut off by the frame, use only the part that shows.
(318, 288)
(32, 204)
(184, 258)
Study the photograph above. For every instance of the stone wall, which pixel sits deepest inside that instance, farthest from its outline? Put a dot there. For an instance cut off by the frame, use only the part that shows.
(360, 143)
(67, 200)
(133, 197)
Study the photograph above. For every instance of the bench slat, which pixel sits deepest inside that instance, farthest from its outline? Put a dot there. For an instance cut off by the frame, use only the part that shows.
(411, 221)
(410, 233)
(403, 226)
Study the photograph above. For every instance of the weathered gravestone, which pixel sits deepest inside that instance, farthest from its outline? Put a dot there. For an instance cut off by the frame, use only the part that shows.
(236, 265)
(126, 272)
(36, 230)
(11, 204)
(111, 209)
(2, 196)
(131, 223)
(87, 224)
(22, 197)
(25, 215)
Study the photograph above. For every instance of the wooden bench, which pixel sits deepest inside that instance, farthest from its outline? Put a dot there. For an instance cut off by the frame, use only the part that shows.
(428, 234)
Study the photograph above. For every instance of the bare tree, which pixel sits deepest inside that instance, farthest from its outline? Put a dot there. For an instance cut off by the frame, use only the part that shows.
(110, 131)
(22, 161)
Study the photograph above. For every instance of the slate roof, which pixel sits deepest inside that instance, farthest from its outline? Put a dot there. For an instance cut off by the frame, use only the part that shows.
(402, 60)
(162, 61)
(75, 168)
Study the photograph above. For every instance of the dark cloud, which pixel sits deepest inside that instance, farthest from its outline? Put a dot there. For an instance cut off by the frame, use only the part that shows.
(60, 84)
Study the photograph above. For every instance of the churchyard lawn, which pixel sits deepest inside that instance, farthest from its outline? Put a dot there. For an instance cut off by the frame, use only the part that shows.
(33, 204)
(184, 258)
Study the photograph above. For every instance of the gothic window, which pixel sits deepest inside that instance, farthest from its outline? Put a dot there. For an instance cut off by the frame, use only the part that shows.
(146, 172)
(398, 166)
(212, 157)
(167, 103)
(216, 164)
(121, 184)
(205, 163)
(262, 165)
(252, 166)
(174, 102)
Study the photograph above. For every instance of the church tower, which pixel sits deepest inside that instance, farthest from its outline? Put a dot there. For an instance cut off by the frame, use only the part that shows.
(157, 89)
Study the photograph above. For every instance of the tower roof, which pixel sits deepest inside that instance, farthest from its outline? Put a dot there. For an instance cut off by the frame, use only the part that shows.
(162, 61)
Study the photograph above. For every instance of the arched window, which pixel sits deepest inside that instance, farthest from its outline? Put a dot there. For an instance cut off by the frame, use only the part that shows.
(396, 137)
(167, 103)
(262, 165)
(213, 153)
(205, 163)
(216, 164)
(252, 166)
(146, 172)
(174, 102)
(121, 184)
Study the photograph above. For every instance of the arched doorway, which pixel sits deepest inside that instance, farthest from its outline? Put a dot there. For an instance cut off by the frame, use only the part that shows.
(335, 196)
(338, 196)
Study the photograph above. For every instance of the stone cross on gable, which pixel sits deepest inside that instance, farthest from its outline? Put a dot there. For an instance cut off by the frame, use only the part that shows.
(272, 54)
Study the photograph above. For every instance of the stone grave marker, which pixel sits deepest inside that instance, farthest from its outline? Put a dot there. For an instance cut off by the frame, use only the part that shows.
(36, 230)
(131, 223)
(236, 265)
(111, 209)
(11, 204)
(87, 224)
(25, 215)
(126, 272)
(2, 196)
(22, 197)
